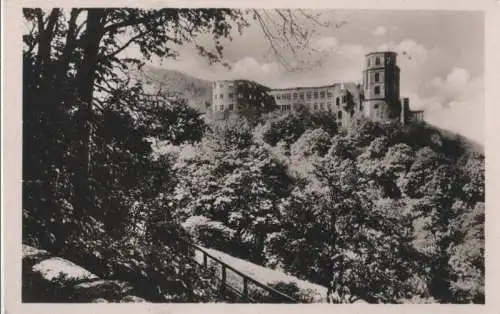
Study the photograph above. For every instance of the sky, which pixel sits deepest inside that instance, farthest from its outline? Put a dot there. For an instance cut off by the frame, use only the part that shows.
(440, 54)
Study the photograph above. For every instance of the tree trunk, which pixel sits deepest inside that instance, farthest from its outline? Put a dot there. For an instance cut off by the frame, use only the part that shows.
(85, 89)
(65, 60)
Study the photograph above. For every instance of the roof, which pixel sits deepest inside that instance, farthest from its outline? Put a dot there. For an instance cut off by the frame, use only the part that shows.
(384, 52)
(312, 87)
(243, 82)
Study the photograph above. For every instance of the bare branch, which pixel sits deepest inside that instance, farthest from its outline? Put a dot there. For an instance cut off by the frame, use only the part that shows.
(127, 44)
(133, 21)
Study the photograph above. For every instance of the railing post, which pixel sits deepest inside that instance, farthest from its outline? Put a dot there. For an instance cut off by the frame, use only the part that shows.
(223, 279)
(245, 288)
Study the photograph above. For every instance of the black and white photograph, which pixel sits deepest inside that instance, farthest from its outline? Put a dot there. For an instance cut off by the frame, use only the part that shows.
(252, 155)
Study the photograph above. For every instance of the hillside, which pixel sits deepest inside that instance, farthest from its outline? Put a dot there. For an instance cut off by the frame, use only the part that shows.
(294, 193)
(469, 144)
(198, 92)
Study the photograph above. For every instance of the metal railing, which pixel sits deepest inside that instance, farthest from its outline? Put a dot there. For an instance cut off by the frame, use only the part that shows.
(233, 281)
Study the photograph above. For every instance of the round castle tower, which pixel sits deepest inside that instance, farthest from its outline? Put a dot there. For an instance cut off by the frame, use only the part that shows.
(381, 87)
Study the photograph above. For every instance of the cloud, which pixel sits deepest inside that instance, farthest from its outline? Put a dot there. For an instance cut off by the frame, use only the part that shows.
(413, 60)
(410, 52)
(456, 103)
(325, 44)
(379, 31)
(250, 68)
(353, 51)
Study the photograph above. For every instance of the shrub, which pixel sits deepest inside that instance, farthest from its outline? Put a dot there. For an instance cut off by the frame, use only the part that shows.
(209, 233)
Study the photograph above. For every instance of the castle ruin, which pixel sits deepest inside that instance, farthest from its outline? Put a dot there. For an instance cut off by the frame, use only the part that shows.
(376, 98)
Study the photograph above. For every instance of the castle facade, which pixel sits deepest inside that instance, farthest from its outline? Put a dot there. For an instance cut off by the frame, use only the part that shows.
(376, 98)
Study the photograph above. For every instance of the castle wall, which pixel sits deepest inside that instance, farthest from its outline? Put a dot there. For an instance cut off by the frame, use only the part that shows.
(239, 96)
(343, 100)
(377, 98)
(417, 116)
(224, 96)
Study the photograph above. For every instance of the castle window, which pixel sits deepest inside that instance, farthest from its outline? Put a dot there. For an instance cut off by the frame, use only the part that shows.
(315, 106)
(329, 95)
(315, 95)
(375, 106)
(377, 77)
(288, 96)
(337, 101)
(322, 94)
(377, 90)
(231, 106)
(294, 95)
(322, 106)
(221, 96)
(221, 107)
(308, 95)
(231, 96)
(377, 61)
(344, 99)
(278, 97)
(339, 115)
(301, 95)
(388, 60)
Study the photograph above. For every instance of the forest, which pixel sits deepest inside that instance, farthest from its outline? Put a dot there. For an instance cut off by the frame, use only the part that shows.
(113, 177)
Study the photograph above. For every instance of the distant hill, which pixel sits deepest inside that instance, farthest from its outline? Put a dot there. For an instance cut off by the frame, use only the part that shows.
(172, 83)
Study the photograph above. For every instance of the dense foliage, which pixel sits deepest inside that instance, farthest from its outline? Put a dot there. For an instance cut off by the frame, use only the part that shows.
(91, 183)
(382, 211)
(386, 212)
